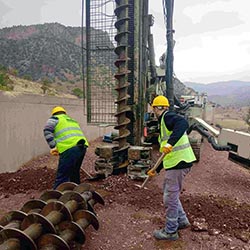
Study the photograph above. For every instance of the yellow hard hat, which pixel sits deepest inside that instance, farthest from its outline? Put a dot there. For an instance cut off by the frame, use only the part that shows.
(57, 109)
(160, 101)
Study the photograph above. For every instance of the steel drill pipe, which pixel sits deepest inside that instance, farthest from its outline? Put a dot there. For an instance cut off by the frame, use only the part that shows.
(66, 187)
(51, 195)
(69, 231)
(84, 218)
(33, 226)
(53, 213)
(86, 191)
(90, 196)
(12, 238)
(35, 205)
(12, 219)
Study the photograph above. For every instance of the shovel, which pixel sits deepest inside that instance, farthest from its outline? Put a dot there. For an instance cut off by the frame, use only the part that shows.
(91, 177)
(152, 169)
(85, 172)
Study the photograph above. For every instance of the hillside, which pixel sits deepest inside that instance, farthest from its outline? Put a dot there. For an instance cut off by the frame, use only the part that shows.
(23, 86)
(229, 93)
(52, 53)
(46, 50)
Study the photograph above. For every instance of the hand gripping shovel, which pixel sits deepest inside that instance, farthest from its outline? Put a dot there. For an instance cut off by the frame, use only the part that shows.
(152, 169)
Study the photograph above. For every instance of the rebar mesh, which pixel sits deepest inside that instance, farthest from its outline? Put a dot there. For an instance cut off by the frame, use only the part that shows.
(100, 58)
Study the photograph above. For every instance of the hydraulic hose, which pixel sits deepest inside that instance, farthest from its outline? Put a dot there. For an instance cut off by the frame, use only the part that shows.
(209, 137)
(181, 106)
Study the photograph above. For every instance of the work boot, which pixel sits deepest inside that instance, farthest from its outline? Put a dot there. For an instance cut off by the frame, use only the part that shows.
(184, 225)
(163, 235)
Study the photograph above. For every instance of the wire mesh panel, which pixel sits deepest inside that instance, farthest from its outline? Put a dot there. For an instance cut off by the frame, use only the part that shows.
(100, 58)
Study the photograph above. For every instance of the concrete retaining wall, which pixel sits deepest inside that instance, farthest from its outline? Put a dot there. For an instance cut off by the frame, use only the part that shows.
(22, 119)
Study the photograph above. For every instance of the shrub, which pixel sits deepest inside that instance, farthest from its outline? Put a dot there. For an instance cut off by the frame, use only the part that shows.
(77, 92)
(5, 82)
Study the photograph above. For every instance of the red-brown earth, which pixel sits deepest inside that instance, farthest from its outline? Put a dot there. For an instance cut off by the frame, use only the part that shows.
(216, 198)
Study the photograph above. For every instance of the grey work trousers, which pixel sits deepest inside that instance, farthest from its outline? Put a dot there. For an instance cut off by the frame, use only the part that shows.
(172, 186)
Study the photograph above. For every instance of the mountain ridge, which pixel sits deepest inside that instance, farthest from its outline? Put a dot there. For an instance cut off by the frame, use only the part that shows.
(46, 50)
(51, 53)
(225, 93)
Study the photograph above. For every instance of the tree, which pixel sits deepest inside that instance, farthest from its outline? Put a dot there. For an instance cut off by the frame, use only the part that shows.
(45, 84)
(5, 82)
(78, 92)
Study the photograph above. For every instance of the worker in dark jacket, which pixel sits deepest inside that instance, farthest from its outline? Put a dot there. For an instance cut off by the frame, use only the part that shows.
(66, 139)
(177, 163)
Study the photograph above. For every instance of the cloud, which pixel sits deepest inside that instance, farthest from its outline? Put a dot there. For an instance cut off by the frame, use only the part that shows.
(23, 12)
(4, 9)
(212, 38)
(216, 56)
(208, 16)
(63, 12)
(212, 21)
(27, 12)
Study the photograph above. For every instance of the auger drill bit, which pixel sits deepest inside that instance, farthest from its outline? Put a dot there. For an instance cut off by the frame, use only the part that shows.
(54, 217)
(90, 196)
(121, 24)
(69, 231)
(35, 205)
(12, 219)
(51, 195)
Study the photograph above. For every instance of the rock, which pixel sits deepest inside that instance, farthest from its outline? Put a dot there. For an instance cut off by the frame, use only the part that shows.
(200, 224)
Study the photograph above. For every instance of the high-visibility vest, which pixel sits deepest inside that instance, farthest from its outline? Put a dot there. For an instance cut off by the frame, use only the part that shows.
(182, 150)
(67, 133)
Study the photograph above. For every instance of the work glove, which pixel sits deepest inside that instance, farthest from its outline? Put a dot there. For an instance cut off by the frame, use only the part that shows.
(167, 148)
(151, 173)
(54, 151)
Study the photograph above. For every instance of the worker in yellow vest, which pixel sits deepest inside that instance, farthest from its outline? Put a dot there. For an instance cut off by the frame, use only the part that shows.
(66, 139)
(177, 163)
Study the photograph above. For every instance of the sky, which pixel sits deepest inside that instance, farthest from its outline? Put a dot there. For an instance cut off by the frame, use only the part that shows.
(212, 37)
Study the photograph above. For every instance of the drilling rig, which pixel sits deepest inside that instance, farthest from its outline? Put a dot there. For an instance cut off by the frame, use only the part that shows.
(128, 56)
(133, 69)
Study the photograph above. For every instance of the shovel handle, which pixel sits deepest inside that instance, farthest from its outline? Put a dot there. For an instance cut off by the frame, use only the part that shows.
(158, 162)
(144, 183)
(154, 168)
(90, 176)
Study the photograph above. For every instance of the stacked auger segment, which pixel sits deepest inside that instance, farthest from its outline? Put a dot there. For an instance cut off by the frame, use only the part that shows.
(57, 219)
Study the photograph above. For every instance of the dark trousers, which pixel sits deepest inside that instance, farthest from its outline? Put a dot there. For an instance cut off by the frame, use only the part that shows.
(69, 165)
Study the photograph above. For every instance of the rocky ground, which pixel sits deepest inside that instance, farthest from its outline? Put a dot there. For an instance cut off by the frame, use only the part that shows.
(216, 198)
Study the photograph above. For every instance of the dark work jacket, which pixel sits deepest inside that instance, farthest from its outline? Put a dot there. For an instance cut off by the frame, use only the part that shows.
(178, 124)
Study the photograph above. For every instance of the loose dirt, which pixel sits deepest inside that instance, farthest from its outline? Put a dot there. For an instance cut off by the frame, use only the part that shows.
(216, 198)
